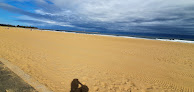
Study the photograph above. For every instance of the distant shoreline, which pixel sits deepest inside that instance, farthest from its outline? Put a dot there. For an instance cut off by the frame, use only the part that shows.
(112, 35)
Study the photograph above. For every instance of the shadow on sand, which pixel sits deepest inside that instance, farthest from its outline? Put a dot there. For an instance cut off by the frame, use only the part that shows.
(75, 86)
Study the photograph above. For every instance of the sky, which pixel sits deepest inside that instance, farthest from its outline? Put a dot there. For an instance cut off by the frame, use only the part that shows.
(132, 16)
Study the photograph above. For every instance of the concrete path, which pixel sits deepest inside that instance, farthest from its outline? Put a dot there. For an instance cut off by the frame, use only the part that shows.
(10, 82)
(16, 80)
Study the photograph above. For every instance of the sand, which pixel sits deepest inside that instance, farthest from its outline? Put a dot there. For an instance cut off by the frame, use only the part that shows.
(10, 82)
(104, 64)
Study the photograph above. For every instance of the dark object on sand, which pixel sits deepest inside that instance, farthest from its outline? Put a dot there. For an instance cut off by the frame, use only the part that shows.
(75, 84)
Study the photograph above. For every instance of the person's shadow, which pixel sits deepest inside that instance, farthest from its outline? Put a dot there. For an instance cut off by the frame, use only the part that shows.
(75, 84)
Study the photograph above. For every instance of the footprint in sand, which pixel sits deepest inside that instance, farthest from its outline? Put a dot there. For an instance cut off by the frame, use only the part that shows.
(96, 88)
(103, 84)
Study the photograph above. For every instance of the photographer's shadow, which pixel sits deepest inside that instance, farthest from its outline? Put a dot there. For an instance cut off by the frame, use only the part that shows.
(75, 86)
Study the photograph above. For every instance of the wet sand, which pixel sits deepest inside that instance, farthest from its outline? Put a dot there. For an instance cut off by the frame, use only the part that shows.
(104, 64)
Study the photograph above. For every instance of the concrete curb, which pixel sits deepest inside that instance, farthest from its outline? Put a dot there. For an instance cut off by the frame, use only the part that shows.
(27, 78)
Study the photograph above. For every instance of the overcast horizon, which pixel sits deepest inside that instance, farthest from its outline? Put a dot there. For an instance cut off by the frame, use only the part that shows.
(129, 16)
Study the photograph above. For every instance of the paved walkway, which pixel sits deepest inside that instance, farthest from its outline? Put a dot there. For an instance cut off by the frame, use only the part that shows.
(10, 82)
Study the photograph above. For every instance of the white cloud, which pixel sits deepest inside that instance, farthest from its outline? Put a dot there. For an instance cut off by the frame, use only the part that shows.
(114, 14)
(120, 10)
(45, 21)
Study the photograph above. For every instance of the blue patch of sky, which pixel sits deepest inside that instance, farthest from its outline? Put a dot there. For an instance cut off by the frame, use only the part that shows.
(27, 5)
(9, 18)
(49, 2)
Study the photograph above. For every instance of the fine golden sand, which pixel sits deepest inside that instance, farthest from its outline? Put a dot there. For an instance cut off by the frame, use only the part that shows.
(104, 64)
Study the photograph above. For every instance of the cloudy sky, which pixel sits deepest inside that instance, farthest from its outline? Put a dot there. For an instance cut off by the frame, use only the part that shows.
(136, 16)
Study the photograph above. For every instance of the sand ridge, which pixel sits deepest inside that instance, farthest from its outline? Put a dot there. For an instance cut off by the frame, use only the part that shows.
(104, 64)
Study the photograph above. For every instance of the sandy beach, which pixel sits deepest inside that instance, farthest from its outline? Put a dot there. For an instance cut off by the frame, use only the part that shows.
(104, 64)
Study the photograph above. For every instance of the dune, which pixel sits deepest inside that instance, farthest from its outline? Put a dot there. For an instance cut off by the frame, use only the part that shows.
(104, 64)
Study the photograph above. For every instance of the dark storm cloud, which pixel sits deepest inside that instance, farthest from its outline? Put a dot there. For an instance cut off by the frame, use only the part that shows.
(113, 15)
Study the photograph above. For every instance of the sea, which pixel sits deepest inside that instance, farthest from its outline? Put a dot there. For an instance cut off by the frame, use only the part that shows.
(150, 36)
